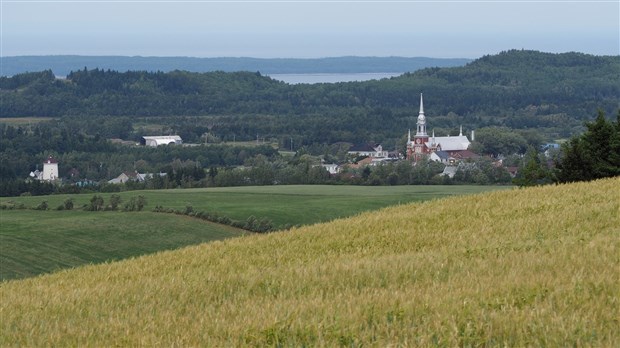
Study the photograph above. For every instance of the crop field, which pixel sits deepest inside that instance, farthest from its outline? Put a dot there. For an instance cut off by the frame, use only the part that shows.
(530, 267)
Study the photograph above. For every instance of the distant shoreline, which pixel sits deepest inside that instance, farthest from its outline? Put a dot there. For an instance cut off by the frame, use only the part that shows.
(312, 78)
(63, 65)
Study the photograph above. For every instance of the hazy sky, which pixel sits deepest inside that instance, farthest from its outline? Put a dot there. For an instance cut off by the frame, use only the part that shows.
(307, 29)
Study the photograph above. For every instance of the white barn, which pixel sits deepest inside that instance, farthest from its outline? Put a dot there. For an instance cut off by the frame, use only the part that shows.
(161, 140)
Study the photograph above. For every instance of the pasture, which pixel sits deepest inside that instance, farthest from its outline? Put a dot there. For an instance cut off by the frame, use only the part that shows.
(530, 267)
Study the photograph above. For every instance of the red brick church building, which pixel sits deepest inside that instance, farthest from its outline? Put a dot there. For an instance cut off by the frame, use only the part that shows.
(422, 144)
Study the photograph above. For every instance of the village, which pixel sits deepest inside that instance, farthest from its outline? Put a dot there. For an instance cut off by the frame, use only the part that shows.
(450, 155)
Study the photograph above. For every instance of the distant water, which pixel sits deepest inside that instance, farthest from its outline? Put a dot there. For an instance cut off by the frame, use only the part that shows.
(330, 78)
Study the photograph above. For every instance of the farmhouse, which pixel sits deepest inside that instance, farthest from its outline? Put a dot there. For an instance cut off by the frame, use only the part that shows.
(422, 144)
(368, 150)
(161, 140)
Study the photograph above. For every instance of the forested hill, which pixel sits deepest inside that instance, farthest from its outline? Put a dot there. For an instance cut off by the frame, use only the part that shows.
(519, 89)
(62, 65)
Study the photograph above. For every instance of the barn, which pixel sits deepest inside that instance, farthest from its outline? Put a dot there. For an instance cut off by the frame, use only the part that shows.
(161, 140)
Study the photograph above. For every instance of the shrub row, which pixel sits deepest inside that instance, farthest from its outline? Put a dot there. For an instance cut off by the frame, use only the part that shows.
(253, 224)
(96, 203)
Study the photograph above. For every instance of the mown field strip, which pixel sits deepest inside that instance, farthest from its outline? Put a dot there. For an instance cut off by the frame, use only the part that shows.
(35, 242)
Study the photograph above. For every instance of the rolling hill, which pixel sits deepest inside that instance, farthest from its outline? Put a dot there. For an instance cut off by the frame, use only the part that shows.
(33, 242)
(529, 267)
(553, 93)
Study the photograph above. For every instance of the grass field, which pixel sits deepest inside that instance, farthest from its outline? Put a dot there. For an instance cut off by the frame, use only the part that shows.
(35, 242)
(531, 267)
(284, 205)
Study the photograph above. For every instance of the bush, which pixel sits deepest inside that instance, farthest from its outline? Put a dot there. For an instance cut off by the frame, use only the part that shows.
(96, 204)
(188, 209)
(137, 204)
(68, 204)
(115, 201)
(42, 206)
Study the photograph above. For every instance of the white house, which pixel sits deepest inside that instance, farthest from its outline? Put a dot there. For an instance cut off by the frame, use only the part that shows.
(374, 151)
(332, 168)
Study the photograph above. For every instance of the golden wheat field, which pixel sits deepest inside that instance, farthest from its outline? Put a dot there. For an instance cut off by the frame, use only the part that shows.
(525, 267)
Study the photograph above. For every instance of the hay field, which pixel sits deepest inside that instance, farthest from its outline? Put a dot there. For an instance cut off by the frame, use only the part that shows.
(530, 267)
(24, 121)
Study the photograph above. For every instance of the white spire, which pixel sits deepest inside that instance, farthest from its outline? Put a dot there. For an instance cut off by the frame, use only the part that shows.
(409, 136)
(461, 131)
(421, 105)
(421, 120)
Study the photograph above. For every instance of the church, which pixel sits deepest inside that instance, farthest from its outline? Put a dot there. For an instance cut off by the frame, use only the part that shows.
(422, 145)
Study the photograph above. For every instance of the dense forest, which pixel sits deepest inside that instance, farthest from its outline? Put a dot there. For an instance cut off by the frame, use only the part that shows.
(554, 93)
(516, 101)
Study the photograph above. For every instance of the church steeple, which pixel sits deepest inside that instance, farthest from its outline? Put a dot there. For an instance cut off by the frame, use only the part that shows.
(417, 148)
(421, 106)
(421, 132)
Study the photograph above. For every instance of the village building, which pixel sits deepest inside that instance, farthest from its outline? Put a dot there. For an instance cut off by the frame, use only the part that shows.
(368, 150)
(422, 144)
(161, 140)
(331, 168)
(133, 176)
(50, 170)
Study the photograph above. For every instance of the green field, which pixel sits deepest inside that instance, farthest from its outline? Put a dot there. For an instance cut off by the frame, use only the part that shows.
(284, 205)
(536, 267)
(34, 242)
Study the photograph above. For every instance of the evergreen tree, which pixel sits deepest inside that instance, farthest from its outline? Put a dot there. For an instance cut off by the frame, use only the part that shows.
(534, 171)
(593, 155)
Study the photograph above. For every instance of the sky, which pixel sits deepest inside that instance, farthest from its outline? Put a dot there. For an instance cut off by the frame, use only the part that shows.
(307, 29)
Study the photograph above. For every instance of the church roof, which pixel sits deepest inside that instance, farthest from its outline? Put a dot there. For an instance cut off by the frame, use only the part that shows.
(442, 155)
(456, 143)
